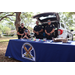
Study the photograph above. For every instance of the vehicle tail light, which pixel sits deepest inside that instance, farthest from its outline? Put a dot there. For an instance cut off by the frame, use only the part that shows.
(60, 31)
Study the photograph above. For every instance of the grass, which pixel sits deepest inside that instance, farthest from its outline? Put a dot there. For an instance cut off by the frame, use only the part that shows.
(6, 39)
(3, 46)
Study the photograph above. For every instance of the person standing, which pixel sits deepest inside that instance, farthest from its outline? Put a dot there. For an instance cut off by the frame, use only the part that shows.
(49, 30)
(38, 30)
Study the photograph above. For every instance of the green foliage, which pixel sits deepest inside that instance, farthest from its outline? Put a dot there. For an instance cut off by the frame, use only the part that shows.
(9, 21)
(1, 27)
(6, 30)
(26, 17)
(67, 17)
(7, 18)
(0, 32)
(72, 28)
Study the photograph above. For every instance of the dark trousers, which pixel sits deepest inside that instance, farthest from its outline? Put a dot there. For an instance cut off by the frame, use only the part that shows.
(40, 36)
(49, 37)
(19, 36)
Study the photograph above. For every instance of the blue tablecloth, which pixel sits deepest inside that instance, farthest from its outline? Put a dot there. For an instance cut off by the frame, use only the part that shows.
(34, 51)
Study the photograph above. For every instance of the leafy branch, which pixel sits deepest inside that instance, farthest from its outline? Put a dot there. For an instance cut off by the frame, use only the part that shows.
(7, 16)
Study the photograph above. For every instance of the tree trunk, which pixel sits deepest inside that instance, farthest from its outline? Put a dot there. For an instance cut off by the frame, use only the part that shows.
(17, 22)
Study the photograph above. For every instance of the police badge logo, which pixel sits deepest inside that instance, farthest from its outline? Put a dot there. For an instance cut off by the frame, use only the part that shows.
(28, 52)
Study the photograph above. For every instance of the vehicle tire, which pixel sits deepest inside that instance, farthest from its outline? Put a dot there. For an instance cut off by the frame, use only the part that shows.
(67, 36)
(70, 39)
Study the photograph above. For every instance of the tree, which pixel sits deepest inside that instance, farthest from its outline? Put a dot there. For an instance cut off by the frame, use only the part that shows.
(13, 19)
(26, 17)
(17, 22)
(8, 16)
(1, 27)
(6, 30)
(67, 17)
(16, 18)
(0, 33)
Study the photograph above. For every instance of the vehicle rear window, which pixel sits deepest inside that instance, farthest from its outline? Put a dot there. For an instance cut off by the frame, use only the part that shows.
(50, 16)
(62, 25)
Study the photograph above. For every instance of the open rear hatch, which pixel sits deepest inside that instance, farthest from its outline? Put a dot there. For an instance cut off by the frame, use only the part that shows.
(43, 17)
(54, 17)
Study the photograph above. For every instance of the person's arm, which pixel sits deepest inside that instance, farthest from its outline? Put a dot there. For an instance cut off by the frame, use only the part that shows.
(41, 30)
(19, 33)
(29, 36)
(36, 32)
(47, 33)
(28, 32)
(52, 31)
(25, 37)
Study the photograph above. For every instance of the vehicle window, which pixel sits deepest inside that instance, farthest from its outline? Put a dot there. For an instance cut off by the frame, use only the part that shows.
(39, 23)
(62, 25)
(50, 16)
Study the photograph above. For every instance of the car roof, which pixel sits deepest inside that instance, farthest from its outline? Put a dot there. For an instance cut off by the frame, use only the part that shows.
(47, 14)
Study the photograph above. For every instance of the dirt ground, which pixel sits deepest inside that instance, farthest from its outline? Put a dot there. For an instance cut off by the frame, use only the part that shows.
(3, 47)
